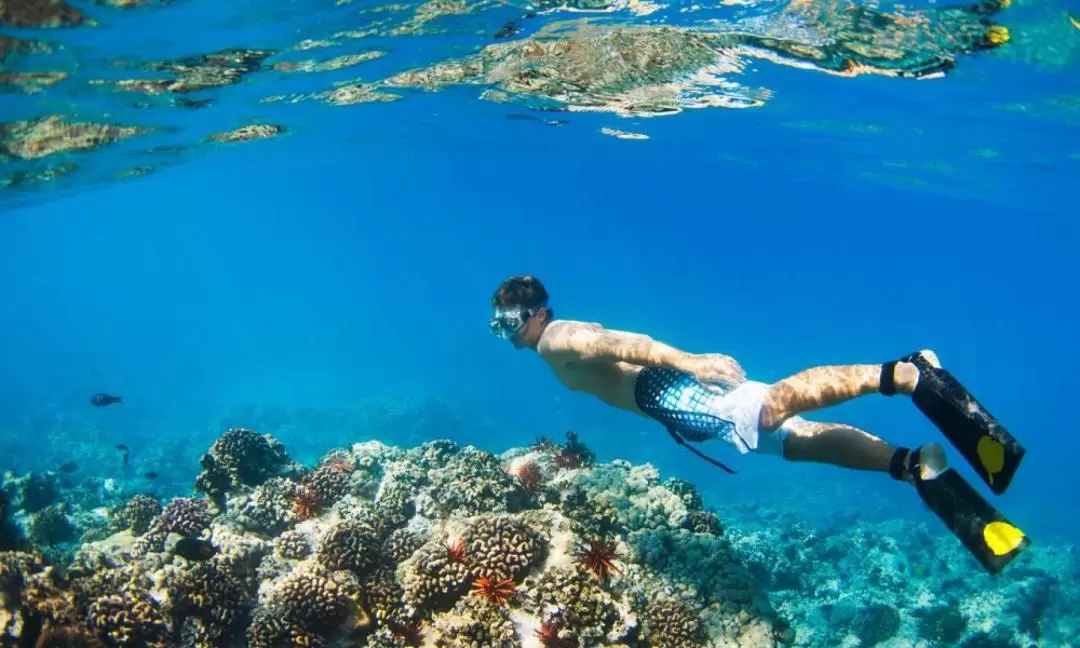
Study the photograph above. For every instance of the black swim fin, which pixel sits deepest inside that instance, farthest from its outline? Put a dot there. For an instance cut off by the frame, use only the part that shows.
(992, 539)
(984, 443)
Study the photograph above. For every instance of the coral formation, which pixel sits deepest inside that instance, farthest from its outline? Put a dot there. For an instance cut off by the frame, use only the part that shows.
(441, 545)
(240, 457)
(136, 514)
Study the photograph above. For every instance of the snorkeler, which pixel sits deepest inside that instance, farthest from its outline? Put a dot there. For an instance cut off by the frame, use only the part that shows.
(698, 397)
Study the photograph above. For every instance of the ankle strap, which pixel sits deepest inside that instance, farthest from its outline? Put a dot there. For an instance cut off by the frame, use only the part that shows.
(887, 382)
(898, 464)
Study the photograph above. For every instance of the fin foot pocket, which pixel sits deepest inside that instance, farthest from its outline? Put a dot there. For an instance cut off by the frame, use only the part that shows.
(990, 449)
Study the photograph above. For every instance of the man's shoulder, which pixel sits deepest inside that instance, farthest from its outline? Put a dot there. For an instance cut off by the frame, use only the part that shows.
(559, 333)
(567, 324)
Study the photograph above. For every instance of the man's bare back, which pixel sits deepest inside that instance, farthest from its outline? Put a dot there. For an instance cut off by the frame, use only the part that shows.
(612, 381)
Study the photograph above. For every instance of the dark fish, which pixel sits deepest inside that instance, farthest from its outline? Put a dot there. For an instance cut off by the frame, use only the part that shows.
(150, 475)
(121, 446)
(66, 483)
(68, 467)
(508, 30)
(194, 549)
(104, 400)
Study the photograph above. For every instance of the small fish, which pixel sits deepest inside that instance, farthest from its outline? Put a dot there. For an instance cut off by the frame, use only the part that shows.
(68, 467)
(150, 475)
(121, 446)
(194, 549)
(1074, 20)
(104, 400)
(66, 483)
(508, 30)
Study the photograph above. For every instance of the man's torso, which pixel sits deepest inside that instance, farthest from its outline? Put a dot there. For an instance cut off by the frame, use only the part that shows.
(611, 382)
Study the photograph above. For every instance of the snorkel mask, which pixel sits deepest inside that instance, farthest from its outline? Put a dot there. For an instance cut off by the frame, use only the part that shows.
(507, 322)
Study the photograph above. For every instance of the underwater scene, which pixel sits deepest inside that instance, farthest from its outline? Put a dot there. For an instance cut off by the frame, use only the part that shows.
(539, 323)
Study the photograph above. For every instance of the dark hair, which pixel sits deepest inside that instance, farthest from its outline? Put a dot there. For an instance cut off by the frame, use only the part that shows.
(524, 292)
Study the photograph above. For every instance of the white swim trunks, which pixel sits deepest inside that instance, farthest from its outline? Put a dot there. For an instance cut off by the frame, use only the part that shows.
(698, 412)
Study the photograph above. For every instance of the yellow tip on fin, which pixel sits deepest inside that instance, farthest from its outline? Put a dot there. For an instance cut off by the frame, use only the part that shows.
(991, 455)
(1002, 537)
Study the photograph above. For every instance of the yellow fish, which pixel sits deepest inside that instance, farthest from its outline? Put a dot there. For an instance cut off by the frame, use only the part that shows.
(1075, 22)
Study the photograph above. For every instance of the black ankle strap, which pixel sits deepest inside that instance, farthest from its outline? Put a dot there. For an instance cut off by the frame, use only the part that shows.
(898, 464)
(887, 384)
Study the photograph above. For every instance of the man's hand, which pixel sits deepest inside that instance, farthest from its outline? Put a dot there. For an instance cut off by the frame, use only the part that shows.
(716, 368)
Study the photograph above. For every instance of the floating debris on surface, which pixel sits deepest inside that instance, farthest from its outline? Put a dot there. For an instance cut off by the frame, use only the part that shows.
(248, 133)
(193, 74)
(39, 13)
(630, 58)
(29, 140)
(621, 134)
(336, 63)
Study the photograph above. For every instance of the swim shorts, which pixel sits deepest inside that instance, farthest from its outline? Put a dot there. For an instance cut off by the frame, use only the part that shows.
(699, 412)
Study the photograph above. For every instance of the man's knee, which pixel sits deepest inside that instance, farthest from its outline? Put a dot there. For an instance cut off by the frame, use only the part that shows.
(773, 411)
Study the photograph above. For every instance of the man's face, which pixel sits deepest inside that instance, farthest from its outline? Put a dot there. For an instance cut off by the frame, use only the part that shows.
(518, 325)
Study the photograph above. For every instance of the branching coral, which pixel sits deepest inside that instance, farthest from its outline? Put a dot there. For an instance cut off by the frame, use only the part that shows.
(240, 457)
(212, 603)
(673, 624)
(501, 547)
(136, 514)
(308, 609)
(351, 545)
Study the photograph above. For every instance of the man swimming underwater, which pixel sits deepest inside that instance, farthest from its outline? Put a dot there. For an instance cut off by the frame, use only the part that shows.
(698, 397)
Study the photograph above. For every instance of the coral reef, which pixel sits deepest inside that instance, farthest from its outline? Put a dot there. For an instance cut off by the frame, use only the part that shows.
(39, 13)
(380, 546)
(444, 545)
(240, 457)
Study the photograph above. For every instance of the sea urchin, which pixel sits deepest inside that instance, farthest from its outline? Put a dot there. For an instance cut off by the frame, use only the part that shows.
(496, 592)
(599, 558)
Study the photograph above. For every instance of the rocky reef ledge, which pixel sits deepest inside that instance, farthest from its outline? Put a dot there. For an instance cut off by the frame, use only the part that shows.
(437, 545)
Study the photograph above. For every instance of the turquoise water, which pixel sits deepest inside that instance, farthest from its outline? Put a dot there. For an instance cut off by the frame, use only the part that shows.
(331, 284)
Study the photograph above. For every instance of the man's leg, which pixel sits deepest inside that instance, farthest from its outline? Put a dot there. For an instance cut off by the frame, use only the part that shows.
(837, 444)
(820, 387)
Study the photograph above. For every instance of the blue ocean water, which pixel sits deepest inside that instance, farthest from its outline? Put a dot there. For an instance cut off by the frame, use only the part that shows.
(332, 284)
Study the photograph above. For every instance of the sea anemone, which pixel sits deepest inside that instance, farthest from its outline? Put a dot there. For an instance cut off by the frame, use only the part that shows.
(497, 592)
(599, 558)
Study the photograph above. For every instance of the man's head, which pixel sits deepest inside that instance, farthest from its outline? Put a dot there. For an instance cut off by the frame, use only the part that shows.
(521, 311)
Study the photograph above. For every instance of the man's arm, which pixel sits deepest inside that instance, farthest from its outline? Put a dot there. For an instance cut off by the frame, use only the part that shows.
(586, 342)
(589, 343)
